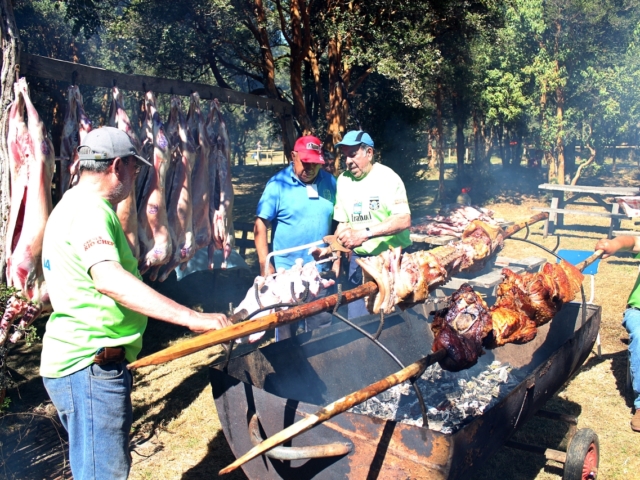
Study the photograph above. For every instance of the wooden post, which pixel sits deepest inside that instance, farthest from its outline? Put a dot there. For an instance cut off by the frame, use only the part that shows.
(10, 65)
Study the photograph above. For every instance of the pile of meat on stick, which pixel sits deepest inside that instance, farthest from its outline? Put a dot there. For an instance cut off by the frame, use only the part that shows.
(31, 166)
(184, 201)
(302, 283)
(452, 220)
(405, 279)
(524, 302)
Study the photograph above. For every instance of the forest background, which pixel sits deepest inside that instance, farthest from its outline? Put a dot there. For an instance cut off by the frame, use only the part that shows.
(547, 80)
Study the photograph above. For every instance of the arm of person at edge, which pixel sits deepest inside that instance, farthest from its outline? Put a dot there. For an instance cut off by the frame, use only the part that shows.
(260, 234)
(624, 243)
(115, 282)
(352, 238)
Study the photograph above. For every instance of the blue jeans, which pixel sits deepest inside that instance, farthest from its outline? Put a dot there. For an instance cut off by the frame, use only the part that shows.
(631, 322)
(354, 279)
(94, 406)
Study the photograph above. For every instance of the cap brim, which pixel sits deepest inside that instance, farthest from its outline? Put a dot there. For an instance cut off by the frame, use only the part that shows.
(143, 160)
(308, 157)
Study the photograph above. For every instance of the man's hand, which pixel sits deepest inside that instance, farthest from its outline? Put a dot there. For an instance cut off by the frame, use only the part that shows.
(203, 322)
(624, 242)
(351, 238)
(607, 246)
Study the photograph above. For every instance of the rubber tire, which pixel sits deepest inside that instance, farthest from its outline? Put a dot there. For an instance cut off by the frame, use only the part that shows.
(583, 451)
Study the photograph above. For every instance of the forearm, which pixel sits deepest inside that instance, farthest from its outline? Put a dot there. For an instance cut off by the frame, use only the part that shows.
(260, 232)
(390, 226)
(130, 292)
(623, 243)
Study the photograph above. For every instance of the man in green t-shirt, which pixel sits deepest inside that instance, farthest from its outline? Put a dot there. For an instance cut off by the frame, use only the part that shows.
(371, 208)
(631, 318)
(100, 309)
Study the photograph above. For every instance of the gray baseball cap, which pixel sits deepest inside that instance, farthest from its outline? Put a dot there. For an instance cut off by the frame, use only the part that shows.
(107, 143)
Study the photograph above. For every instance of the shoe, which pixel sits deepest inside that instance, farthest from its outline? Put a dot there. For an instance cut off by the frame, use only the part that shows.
(635, 421)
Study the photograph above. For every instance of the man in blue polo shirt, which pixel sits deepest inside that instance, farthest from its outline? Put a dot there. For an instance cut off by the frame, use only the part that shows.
(297, 204)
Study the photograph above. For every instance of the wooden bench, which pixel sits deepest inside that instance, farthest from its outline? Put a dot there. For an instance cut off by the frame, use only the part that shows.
(633, 233)
(614, 216)
(243, 241)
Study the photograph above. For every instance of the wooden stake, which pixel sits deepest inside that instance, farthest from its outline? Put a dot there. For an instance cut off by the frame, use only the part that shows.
(283, 317)
(588, 261)
(337, 407)
(226, 334)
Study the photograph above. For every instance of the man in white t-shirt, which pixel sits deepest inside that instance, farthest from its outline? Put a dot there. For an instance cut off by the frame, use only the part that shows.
(371, 207)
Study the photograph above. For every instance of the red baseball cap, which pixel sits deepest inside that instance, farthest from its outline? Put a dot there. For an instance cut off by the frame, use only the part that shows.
(309, 149)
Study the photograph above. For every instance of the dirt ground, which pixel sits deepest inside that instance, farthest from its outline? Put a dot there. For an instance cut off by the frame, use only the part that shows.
(177, 434)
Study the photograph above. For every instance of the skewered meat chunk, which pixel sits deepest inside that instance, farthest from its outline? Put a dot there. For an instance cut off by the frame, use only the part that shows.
(523, 303)
(510, 326)
(406, 278)
(461, 328)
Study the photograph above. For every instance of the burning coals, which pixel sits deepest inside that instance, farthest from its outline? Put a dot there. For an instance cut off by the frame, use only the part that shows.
(452, 399)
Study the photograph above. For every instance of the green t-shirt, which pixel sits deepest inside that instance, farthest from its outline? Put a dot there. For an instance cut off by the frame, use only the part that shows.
(369, 201)
(634, 298)
(82, 231)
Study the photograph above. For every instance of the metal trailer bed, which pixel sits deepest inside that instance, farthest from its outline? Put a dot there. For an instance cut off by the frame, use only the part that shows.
(268, 389)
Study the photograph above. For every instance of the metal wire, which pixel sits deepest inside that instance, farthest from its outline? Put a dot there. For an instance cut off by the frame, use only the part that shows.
(423, 408)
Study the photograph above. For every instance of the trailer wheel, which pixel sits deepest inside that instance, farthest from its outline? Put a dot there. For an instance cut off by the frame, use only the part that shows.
(583, 456)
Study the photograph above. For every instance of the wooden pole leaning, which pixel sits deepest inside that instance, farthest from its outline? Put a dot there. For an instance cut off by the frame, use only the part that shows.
(339, 406)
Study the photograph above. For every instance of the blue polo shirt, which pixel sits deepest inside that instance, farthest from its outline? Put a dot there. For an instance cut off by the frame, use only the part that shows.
(297, 218)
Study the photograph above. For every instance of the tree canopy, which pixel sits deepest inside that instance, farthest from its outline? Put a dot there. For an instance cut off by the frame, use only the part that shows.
(484, 76)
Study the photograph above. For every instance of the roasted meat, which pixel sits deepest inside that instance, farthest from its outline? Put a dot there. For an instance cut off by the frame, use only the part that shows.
(407, 278)
(523, 303)
(461, 328)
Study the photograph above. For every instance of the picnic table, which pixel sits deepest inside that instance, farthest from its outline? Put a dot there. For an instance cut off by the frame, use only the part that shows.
(558, 209)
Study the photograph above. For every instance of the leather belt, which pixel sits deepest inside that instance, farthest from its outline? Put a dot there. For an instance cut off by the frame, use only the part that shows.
(632, 307)
(107, 355)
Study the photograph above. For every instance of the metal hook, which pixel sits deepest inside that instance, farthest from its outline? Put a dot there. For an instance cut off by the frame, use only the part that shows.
(74, 77)
(17, 72)
(229, 108)
(144, 87)
(115, 82)
(244, 106)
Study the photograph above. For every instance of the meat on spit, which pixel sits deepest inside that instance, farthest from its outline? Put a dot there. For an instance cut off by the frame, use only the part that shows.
(406, 278)
(523, 303)
(300, 284)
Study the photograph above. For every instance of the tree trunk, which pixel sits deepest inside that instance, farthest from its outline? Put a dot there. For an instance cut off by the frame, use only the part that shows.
(560, 134)
(583, 165)
(256, 22)
(460, 149)
(477, 160)
(299, 48)
(440, 141)
(338, 107)
(501, 143)
(10, 61)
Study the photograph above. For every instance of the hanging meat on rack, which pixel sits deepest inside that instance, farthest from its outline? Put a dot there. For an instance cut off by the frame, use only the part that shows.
(32, 164)
(220, 187)
(179, 203)
(153, 228)
(200, 176)
(524, 302)
(406, 278)
(126, 209)
(84, 127)
(70, 138)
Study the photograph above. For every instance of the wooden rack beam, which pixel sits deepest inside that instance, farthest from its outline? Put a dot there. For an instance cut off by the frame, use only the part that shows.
(61, 70)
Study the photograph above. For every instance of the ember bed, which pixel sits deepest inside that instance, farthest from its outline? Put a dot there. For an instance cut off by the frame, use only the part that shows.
(268, 389)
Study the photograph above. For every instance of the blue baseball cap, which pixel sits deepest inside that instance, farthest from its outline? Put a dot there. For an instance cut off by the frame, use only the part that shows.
(355, 137)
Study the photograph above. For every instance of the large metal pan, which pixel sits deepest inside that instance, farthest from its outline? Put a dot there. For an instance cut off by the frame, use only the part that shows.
(268, 389)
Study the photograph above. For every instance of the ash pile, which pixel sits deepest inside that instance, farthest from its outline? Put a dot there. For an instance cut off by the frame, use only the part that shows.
(453, 399)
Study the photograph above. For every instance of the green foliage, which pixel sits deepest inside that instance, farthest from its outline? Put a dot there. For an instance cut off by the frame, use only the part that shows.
(4, 406)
